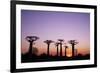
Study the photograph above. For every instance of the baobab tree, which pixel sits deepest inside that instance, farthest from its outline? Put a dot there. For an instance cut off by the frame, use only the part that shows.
(73, 43)
(57, 44)
(65, 49)
(48, 42)
(31, 40)
(60, 41)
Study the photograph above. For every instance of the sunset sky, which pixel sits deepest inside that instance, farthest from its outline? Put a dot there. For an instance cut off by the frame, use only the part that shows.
(51, 25)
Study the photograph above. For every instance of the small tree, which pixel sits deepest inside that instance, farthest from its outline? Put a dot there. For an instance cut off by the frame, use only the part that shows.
(31, 40)
(57, 44)
(60, 41)
(48, 42)
(65, 49)
(73, 43)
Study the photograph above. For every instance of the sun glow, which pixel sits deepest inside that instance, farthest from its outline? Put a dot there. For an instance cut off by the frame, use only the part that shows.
(69, 55)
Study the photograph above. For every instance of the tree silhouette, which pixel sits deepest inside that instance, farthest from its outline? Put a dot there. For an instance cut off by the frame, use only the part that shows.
(31, 40)
(48, 42)
(60, 41)
(57, 44)
(73, 43)
(65, 49)
(34, 50)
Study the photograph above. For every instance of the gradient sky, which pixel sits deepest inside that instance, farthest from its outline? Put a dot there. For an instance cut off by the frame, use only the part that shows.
(51, 25)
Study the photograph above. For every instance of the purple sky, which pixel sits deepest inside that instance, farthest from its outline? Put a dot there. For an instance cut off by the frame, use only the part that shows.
(51, 25)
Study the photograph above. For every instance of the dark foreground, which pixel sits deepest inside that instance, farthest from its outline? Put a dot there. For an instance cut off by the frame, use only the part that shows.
(43, 58)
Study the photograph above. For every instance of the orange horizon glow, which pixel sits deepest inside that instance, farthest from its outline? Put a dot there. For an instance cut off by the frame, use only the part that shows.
(42, 48)
(54, 52)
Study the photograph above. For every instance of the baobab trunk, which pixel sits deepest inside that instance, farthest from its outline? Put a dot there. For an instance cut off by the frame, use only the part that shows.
(65, 52)
(48, 50)
(73, 50)
(48, 42)
(73, 43)
(57, 51)
(60, 49)
(30, 48)
(60, 41)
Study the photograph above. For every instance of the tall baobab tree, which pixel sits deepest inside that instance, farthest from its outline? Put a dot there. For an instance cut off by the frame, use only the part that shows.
(48, 42)
(73, 43)
(65, 49)
(60, 41)
(57, 44)
(31, 40)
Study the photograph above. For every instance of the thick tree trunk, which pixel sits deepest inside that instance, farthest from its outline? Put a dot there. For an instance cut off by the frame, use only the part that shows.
(73, 50)
(60, 49)
(57, 51)
(30, 49)
(65, 52)
(48, 50)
